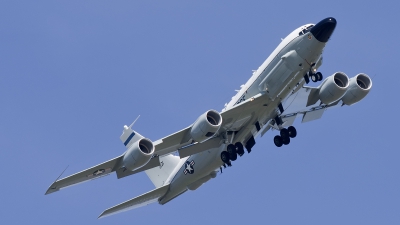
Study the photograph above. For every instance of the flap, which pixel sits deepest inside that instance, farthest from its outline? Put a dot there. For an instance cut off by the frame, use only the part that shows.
(313, 115)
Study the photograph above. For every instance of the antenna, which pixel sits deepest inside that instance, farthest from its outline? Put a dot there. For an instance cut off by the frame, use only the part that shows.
(130, 126)
(61, 173)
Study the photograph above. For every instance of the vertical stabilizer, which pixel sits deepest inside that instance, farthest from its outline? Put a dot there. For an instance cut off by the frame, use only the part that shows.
(158, 175)
(129, 136)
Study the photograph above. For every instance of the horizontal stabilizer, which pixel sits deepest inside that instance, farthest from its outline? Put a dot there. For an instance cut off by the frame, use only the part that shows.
(86, 175)
(142, 200)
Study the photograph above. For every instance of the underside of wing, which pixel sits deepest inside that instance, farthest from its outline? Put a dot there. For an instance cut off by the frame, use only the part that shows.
(172, 142)
(100, 170)
(234, 118)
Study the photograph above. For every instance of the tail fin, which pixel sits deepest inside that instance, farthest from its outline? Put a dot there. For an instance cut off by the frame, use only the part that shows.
(159, 175)
(129, 136)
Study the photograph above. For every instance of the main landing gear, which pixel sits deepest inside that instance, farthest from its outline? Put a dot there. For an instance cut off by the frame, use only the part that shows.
(231, 153)
(285, 135)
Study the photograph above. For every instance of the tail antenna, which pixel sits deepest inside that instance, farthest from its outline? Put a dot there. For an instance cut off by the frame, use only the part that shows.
(130, 126)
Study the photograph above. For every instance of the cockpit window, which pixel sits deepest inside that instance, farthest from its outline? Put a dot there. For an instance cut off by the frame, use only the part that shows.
(305, 30)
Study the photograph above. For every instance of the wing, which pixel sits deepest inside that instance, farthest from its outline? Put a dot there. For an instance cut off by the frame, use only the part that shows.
(305, 102)
(98, 171)
(172, 142)
(233, 119)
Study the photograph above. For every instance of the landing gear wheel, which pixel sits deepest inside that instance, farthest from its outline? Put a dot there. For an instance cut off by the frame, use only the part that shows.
(231, 149)
(225, 157)
(292, 132)
(286, 141)
(285, 134)
(278, 141)
(239, 148)
(319, 76)
(314, 77)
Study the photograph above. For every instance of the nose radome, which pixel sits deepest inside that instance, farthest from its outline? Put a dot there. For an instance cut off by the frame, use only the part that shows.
(323, 30)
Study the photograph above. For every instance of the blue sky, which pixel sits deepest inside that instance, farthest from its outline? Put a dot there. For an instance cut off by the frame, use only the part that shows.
(74, 72)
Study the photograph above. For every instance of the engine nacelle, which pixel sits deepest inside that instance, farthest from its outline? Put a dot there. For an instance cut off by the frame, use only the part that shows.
(138, 154)
(206, 126)
(359, 87)
(333, 88)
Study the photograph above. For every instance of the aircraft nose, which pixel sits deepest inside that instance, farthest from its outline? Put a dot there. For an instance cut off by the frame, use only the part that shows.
(323, 30)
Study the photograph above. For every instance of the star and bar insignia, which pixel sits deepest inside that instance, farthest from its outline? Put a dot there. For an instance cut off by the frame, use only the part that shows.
(189, 167)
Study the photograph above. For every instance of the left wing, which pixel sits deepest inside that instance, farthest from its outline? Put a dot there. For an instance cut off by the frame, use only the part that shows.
(232, 119)
(100, 170)
(103, 169)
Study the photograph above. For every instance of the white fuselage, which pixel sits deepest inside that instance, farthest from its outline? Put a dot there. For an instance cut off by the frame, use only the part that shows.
(279, 76)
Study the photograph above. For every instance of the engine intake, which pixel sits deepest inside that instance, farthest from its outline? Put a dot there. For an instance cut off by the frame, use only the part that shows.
(206, 126)
(333, 88)
(138, 154)
(359, 87)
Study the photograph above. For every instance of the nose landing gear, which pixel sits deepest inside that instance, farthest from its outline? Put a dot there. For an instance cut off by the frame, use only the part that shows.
(316, 77)
(313, 75)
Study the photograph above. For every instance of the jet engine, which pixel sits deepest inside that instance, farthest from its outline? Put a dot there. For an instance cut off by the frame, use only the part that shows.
(206, 126)
(138, 154)
(333, 88)
(359, 87)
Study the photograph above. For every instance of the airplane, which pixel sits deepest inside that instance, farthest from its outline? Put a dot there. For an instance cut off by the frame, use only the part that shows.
(274, 96)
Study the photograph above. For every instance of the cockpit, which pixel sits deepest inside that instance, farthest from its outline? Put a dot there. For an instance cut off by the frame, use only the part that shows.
(306, 30)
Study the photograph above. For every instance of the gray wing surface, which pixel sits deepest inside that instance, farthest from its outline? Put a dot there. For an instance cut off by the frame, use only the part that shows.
(98, 171)
(181, 141)
(305, 102)
(94, 172)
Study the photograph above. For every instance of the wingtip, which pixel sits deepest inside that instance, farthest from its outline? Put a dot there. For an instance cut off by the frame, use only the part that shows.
(51, 189)
(102, 215)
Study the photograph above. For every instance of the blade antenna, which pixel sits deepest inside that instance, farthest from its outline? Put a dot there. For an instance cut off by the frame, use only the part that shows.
(61, 173)
(130, 126)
